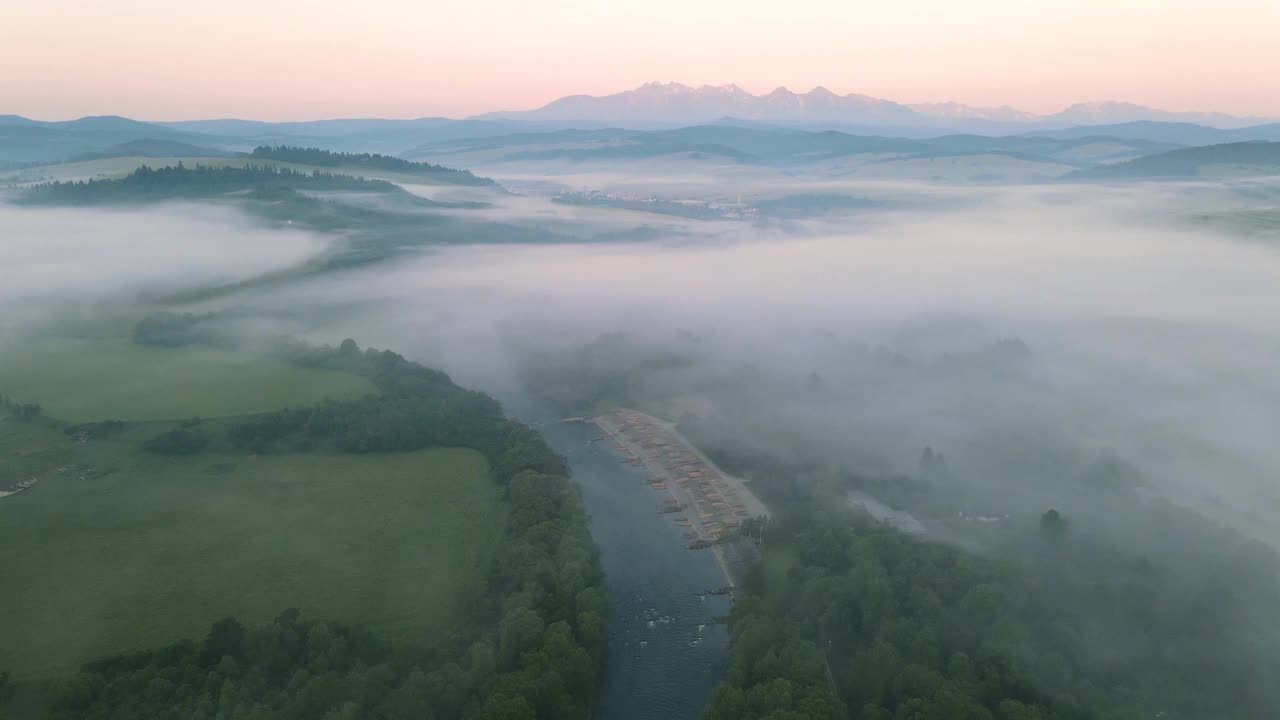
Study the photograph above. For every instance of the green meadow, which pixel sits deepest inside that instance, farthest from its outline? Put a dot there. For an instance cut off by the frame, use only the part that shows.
(124, 550)
(117, 549)
(81, 380)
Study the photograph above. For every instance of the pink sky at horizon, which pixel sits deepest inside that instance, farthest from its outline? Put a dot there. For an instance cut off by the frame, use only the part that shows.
(296, 60)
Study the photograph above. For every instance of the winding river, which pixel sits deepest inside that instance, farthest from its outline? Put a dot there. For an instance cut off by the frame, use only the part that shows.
(664, 654)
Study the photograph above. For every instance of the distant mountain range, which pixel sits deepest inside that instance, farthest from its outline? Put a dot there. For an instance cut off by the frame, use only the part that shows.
(656, 120)
(676, 104)
(673, 104)
(780, 147)
(824, 154)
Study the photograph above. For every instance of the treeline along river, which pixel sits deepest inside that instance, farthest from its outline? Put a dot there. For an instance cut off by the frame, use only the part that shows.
(665, 653)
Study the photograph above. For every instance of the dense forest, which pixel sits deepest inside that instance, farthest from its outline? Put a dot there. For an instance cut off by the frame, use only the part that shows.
(869, 623)
(534, 640)
(1050, 619)
(177, 182)
(327, 158)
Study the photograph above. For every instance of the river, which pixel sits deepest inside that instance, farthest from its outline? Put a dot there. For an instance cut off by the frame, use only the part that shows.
(664, 655)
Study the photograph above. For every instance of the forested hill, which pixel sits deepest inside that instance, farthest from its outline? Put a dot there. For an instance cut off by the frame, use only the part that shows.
(326, 158)
(1255, 157)
(201, 181)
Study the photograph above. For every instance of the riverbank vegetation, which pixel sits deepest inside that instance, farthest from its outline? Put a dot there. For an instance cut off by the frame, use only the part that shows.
(1051, 619)
(869, 623)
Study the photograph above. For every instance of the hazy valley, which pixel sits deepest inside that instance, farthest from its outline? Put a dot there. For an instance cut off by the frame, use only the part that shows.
(1049, 345)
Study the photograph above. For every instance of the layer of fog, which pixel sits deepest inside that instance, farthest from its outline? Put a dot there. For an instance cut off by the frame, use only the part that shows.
(88, 255)
(1020, 253)
(1145, 336)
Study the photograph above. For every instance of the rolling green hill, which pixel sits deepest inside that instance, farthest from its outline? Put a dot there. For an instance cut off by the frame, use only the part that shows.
(154, 148)
(24, 141)
(1231, 159)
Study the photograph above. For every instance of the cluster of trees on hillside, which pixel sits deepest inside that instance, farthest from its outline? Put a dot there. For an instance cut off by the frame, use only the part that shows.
(179, 181)
(328, 158)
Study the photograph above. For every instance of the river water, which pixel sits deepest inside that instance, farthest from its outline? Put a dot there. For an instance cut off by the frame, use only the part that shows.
(664, 655)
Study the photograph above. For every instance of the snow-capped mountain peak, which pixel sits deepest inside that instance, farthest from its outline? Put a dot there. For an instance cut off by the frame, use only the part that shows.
(674, 103)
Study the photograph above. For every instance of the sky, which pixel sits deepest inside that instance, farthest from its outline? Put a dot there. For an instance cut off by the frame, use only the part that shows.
(296, 59)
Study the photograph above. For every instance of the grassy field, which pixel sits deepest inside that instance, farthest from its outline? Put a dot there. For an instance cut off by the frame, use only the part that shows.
(124, 550)
(89, 380)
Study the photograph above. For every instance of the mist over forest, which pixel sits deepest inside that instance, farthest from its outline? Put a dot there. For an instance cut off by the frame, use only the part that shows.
(1106, 331)
(639, 361)
(1065, 380)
